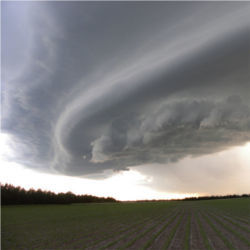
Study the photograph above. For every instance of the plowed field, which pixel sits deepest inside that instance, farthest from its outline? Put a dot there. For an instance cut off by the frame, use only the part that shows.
(212, 224)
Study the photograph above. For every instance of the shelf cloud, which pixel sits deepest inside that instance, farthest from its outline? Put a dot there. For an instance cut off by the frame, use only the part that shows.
(95, 86)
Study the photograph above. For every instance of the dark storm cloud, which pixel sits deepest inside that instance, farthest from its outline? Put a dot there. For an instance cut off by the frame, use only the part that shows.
(97, 86)
(174, 130)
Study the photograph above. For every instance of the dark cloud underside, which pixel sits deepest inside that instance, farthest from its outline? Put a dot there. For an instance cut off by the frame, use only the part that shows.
(92, 86)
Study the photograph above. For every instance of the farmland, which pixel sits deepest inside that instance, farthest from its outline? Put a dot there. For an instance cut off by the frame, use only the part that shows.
(206, 224)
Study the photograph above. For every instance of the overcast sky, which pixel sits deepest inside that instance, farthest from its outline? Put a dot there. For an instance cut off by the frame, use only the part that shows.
(99, 90)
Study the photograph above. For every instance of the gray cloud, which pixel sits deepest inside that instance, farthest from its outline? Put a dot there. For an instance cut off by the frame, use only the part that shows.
(97, 86)
(174, 130)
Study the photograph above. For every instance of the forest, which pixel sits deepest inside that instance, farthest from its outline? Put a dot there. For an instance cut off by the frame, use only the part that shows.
(11, 195)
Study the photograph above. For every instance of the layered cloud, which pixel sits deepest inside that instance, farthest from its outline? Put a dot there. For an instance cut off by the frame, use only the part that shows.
(105, 86)
(174, 130)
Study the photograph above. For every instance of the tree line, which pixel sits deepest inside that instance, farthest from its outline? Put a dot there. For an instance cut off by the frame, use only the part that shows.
(212, 197)
(11, 195)
(215, 197)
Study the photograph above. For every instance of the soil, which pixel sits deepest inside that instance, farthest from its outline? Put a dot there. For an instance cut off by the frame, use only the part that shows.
(214, 240)
(160, 240)
(142, 241)
(179, 237)
(235, 240)
(196, 241)
(148, 223)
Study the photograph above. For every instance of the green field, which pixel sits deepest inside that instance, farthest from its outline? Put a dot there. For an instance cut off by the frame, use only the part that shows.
(211, 224)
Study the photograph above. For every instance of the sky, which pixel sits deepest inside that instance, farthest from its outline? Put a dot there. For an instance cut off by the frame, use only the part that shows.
(135, 100)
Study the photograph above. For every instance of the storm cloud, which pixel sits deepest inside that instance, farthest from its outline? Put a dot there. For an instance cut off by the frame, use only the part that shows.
(95, 86)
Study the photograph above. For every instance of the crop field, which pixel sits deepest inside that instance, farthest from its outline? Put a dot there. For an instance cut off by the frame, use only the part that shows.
(210, 224)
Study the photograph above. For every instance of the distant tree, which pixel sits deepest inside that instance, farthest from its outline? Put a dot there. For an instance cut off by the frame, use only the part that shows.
(11, 195)
(214, 197)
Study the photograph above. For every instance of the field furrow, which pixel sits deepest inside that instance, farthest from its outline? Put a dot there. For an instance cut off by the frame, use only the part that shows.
(161, 235)
(88, 235)
(168, 241)
(135, 235)
(188, 238)
(238, 240)
(153, 242)
(236, 222)
(180, 225)
(125, 235)
(196, 241)
(178, 239)
(106, 238)
(122, 238)
(204, 238)
(229, 242)
(214, 238)
(137, 241)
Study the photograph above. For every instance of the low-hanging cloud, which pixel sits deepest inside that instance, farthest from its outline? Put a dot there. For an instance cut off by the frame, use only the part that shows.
(99, 86)
(174, 130)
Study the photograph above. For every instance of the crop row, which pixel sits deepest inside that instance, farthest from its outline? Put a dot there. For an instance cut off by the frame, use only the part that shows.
(175, 229)
(173, 225)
